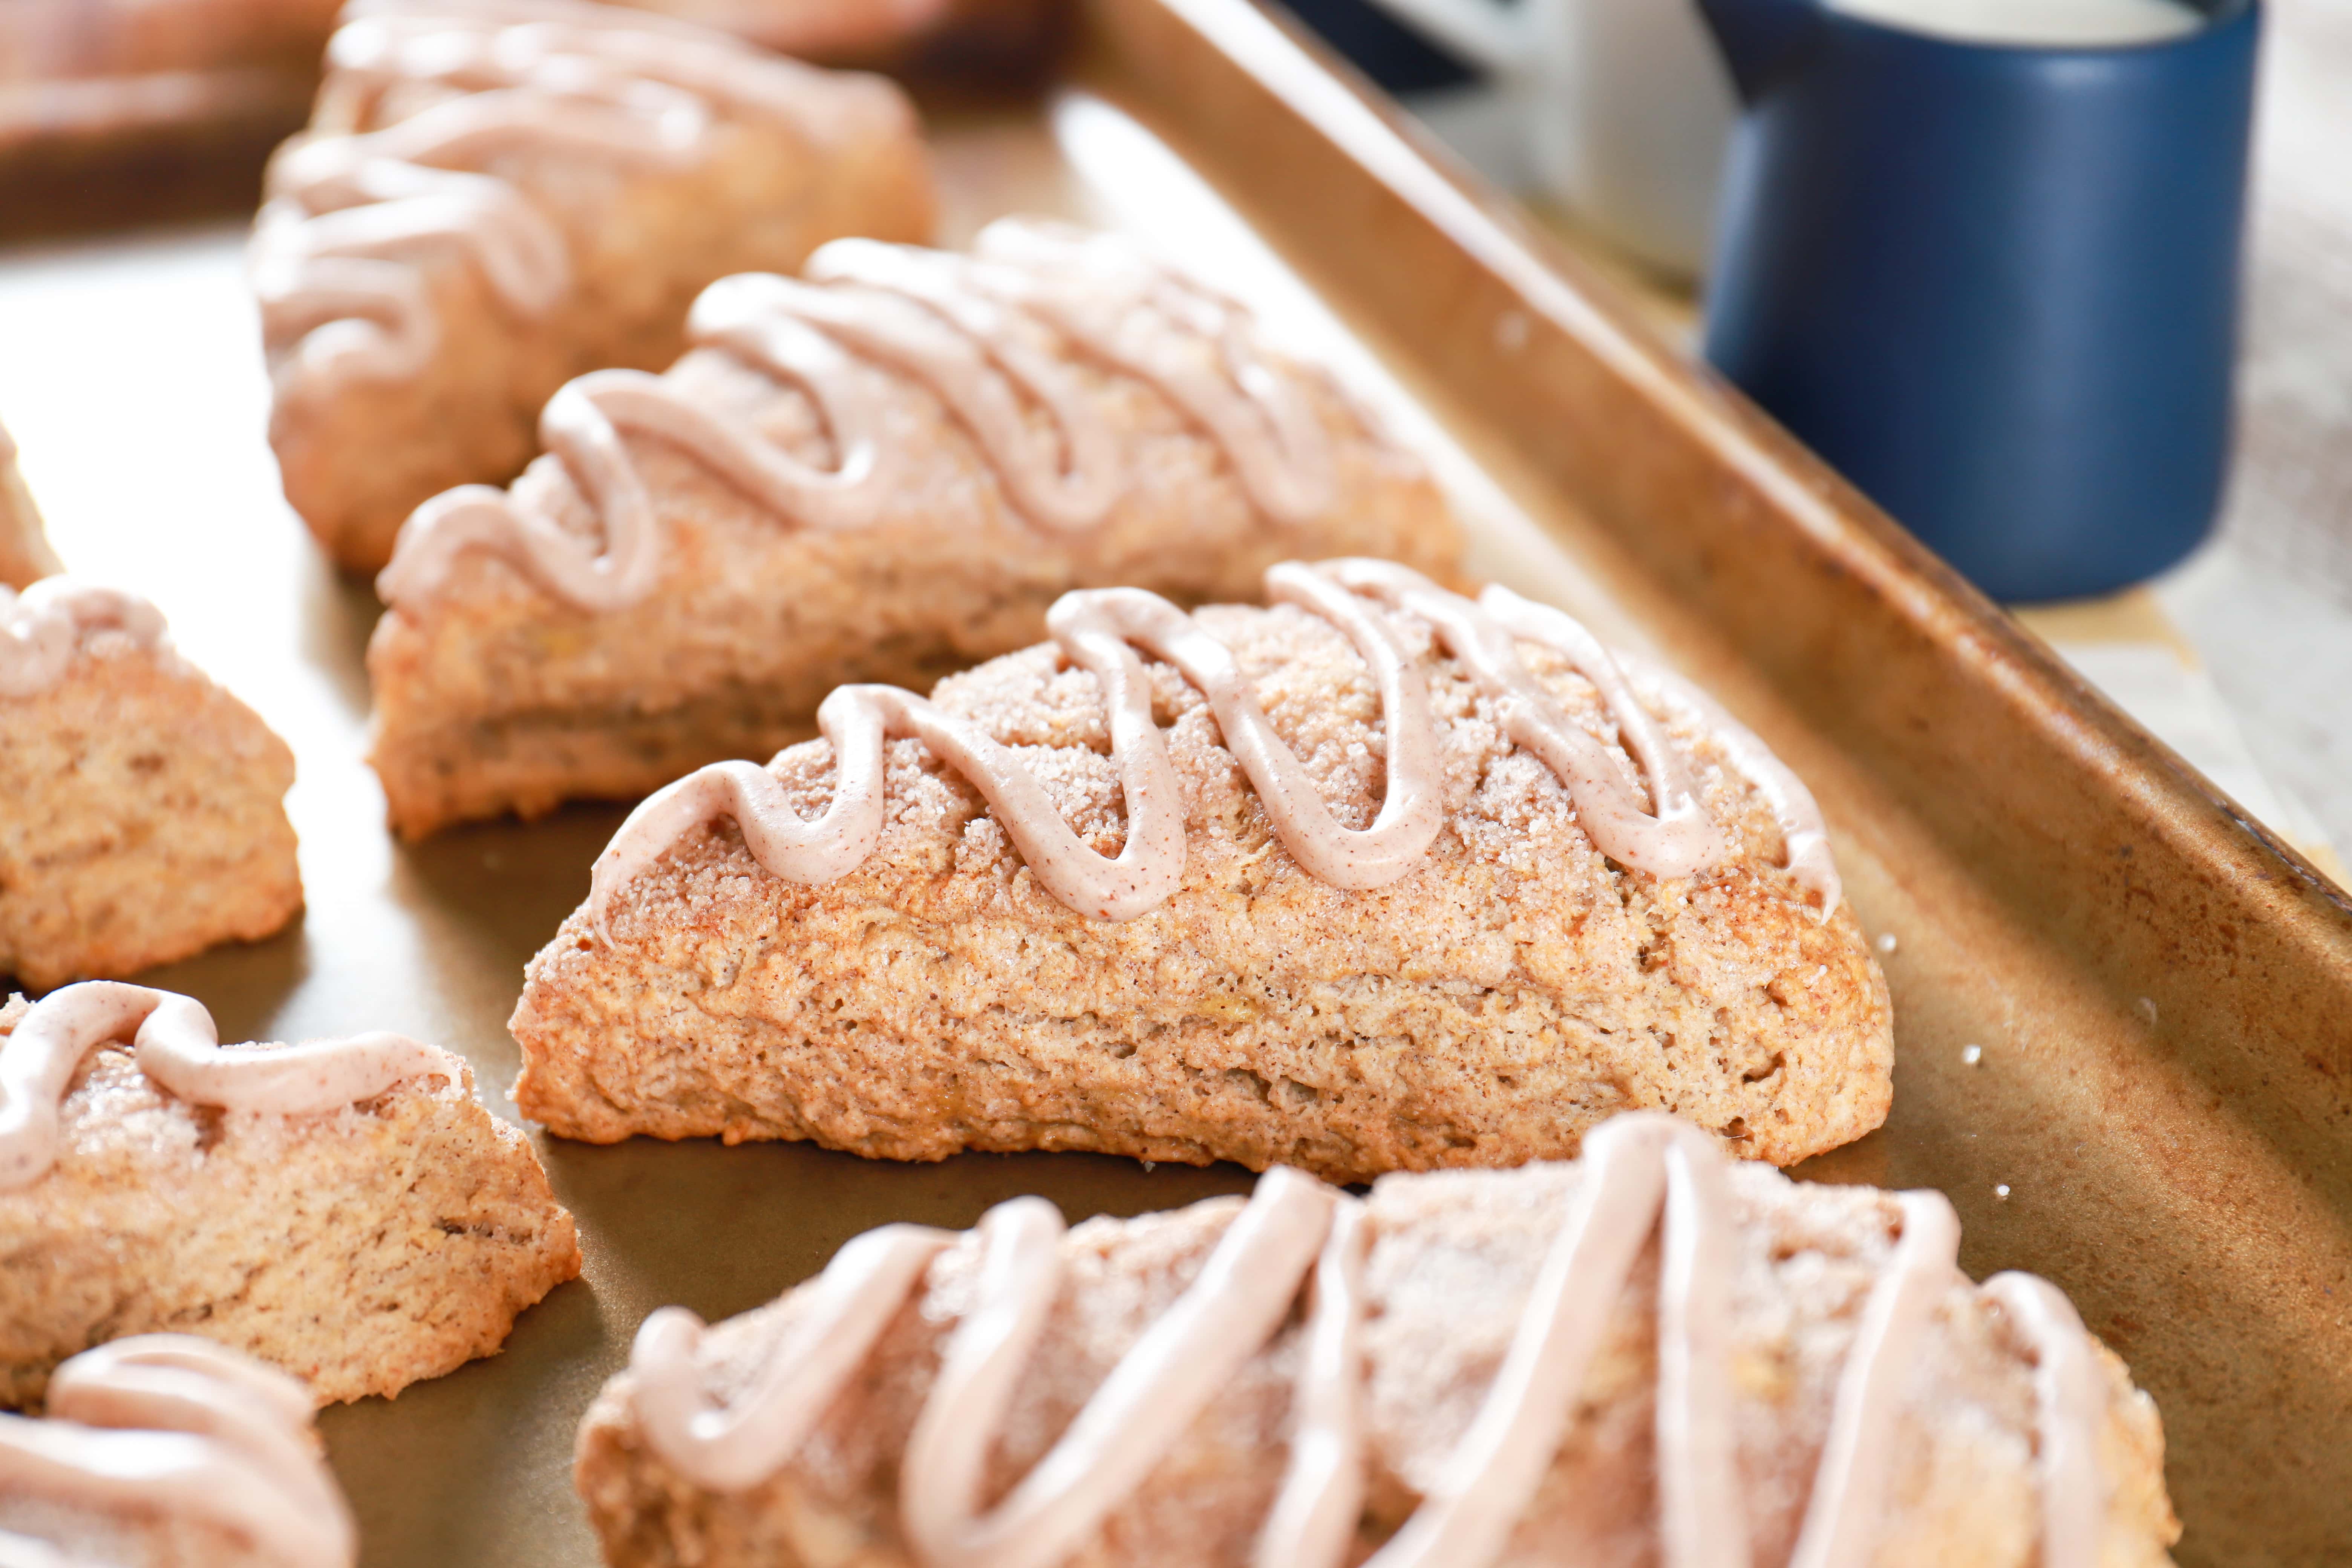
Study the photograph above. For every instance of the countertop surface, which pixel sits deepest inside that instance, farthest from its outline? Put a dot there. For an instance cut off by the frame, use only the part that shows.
(2269, 603)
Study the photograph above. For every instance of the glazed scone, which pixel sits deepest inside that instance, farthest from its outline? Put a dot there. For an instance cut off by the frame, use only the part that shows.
(125, 41)
(170, 1451)
(886, 472)
(142, 807)
(1388, 895)
(25, 553)
(1536, 1367)
(495, 197)
(810, 29)
(345, 1210)
(991, 42)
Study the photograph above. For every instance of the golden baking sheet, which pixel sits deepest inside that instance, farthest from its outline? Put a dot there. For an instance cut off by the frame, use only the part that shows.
(2162, 996)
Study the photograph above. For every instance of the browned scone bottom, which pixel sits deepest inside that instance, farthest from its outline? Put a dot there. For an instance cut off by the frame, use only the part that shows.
(1453, 1256)
(500, 698)
(359, 1251)
(140, 819)
(1485, 1010)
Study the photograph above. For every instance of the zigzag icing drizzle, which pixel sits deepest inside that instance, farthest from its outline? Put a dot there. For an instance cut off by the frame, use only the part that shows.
(953, 322)
(44, 630)
(334, 248)
(172, 1425)
(25, 553)
(1100, 630)
(179, 1048)
(1636, 1168)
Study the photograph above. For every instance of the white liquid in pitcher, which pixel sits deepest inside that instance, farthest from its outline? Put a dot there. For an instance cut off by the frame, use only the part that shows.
(2050, 22)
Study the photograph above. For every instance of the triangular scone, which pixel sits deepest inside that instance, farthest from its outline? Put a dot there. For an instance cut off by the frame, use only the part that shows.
(345, 1209)
(497, 196)
(989, 43)
(1645, 1357)
(1476, 977)
(885, 472)
(25, 553)
(828, 30)
(170, 1451)
(141, 814)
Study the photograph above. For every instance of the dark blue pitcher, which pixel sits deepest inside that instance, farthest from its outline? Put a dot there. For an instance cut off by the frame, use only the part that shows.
(1996, 285)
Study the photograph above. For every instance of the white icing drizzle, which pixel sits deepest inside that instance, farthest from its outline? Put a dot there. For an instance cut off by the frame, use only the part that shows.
(44, 630)
(1241, 1296)
(1840, 1524)
(336, 246)
(1098, 630)
(1804, 836)
(1702, 1513)
(1676, 839)
(25, 553)
(172, 1425)
(734, 1448)
(179, 1048)
(1636, 1168)
(953, 323)
(1480, 1494)
(2071, 1401)
(1314, 1516)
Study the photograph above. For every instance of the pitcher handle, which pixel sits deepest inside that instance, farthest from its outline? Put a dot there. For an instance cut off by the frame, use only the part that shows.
(1490, 35)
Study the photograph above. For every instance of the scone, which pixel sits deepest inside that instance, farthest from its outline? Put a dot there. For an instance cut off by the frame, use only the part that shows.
(885, 471)
(170, 1451)
(812, 29)
(1649, 1356)
(141, 814)
(495, 197)
(25, 553)
(344, 1209)
(992, 43)
(128, 40)
(1378, 879)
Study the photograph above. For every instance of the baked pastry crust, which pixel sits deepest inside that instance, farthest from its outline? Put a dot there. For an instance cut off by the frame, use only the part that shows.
(359, 1249)
(141, 814)
(170, 1451)
(993, 43)
(1857, 1382)
(25, 553)
(841, 516)
(1504, 989)
(49, 40)
(494, 198)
